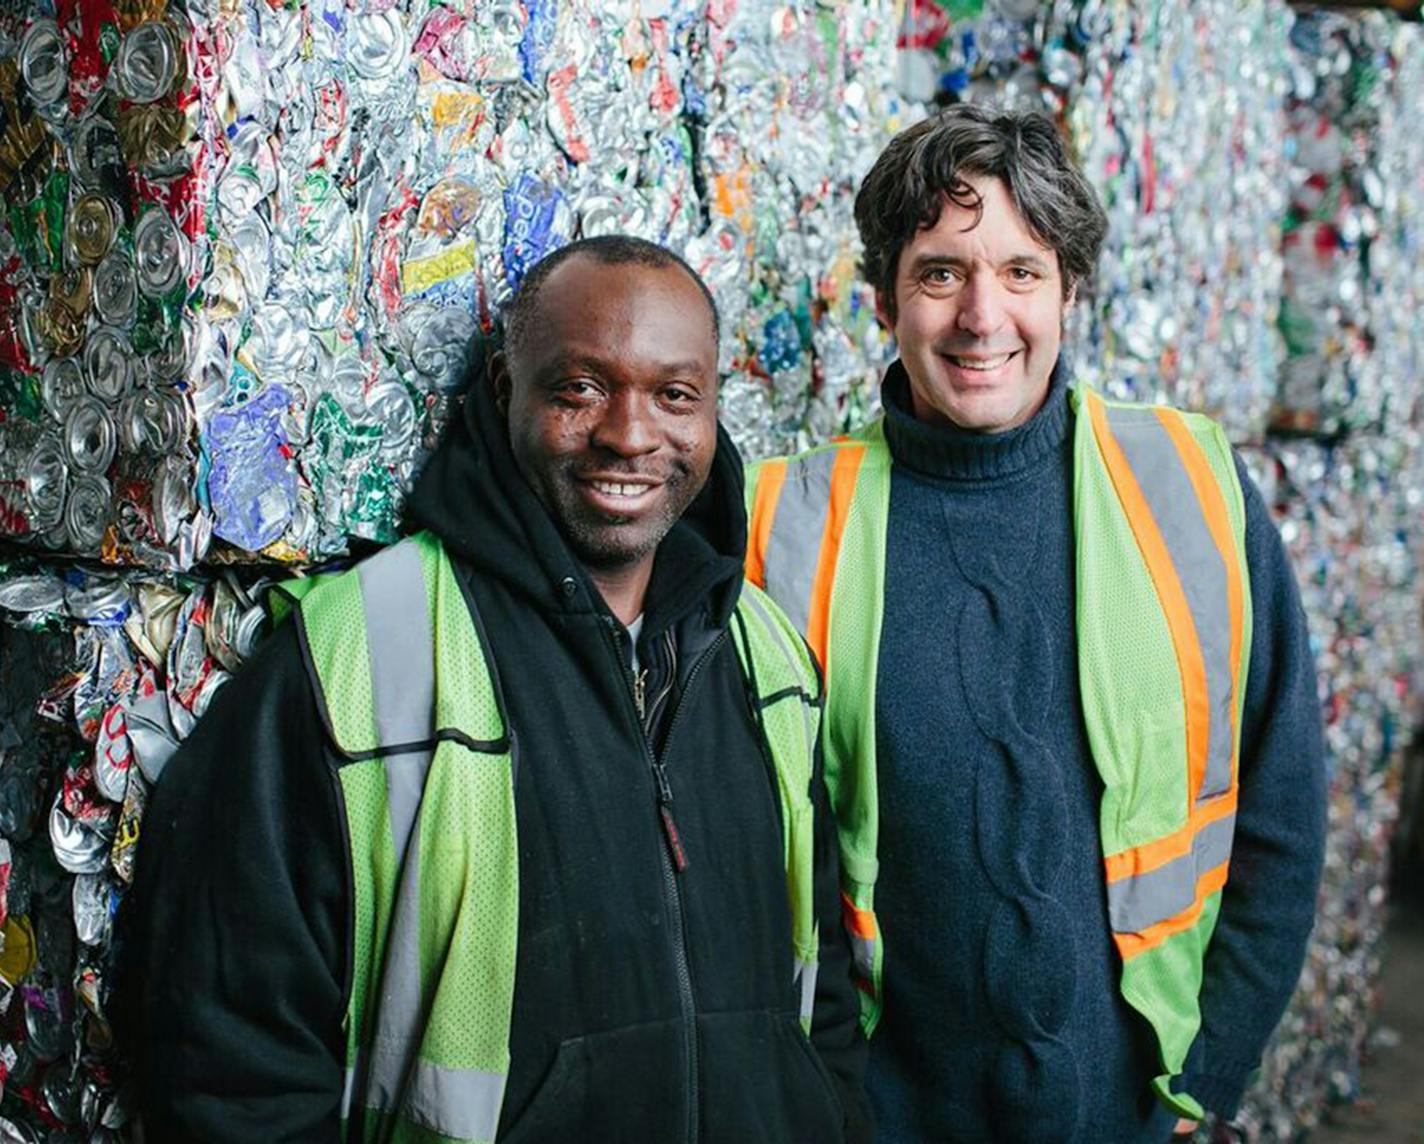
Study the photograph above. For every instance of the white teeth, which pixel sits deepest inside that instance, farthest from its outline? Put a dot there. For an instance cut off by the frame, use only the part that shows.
(610, 489)
(980, 363)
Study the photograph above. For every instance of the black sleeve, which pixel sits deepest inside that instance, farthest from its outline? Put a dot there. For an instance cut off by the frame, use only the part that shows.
(1268, 904)
(835, 1021)
(233, 962)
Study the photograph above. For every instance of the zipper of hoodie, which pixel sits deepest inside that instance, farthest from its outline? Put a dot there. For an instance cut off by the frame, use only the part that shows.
(674, 861)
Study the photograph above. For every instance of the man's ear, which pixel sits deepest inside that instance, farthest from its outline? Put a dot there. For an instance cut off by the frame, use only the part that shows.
(1070, 299)
(883, 308)
(500, 381)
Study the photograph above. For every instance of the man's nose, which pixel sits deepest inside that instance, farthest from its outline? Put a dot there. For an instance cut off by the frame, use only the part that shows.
(981, 306)
(628, 426)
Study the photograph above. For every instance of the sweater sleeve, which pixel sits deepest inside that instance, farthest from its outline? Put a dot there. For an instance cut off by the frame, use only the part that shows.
(835, 1022)
(1268, 904)
(232, 973)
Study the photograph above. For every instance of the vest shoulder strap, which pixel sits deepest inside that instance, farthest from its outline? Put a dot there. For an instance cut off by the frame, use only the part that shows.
(787, 687)
(379, 636)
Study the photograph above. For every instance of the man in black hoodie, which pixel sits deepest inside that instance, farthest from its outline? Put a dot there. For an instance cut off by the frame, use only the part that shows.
(591, 509)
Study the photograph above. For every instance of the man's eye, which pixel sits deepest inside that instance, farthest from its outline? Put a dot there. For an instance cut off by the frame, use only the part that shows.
(1022, 274)
(678, 393)
(577, 389)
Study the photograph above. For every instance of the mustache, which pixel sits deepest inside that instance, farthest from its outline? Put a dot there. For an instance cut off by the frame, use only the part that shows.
(661, 472)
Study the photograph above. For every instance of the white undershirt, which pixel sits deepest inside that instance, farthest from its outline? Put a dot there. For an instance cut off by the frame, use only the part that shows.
(634, 629)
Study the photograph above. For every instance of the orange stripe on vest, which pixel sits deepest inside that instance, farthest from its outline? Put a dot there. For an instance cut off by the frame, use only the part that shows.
(768, 491)
(843, 477)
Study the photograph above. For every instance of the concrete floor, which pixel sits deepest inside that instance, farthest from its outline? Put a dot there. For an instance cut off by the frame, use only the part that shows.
(1391, 1110)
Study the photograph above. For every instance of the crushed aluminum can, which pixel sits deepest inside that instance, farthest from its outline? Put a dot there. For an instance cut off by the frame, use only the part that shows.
(189, 664)
(96, 157)
(252, 483)
(93, 900)
(170, 359)
(46, 481)
(113, 755)
(173, 503)
(87, 513)
(41, 592)
(148, 63)
(236, 625)
(89, 437)
(90, 228)
(441, 348)
(79, 847)
(98, 601)
(538, 219)
(377, 46)
(44, 62)
(109, 364)
(116, 288)
(130, 824)
(49, 1024)
(150, 728)
(160, 253)
(61, 384)
(154, 420)
(149, 624)
(389, 404)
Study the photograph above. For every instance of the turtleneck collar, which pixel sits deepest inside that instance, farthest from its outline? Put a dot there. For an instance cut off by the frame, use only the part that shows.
(949, 453)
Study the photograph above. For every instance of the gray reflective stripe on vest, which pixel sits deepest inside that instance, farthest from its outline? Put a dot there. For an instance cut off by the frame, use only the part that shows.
(1135, 904)
(402, 659)
(390, 1077)
(463, 1103)
(398, 623)
(793, 661)
(862, 952)
(794, 546)
(1173, 501)
(806, 976)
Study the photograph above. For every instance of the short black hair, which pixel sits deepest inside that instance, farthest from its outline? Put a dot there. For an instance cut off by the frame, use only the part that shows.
(609, 249)
(924, 164)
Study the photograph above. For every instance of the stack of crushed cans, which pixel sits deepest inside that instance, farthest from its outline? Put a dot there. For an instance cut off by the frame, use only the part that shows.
(248, 258)
(1263, 174)
(251, 248)
(251, 252)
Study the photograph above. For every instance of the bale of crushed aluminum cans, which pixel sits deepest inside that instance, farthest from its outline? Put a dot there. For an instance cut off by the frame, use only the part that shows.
(101, 675)
(1264, 180)
(1355, 228)
(253, 246)
(1348, 512)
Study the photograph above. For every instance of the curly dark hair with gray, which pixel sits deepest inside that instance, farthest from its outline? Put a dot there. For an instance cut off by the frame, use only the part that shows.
(930, 162)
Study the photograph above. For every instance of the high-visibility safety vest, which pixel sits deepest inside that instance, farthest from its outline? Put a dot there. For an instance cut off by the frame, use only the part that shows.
(409, 695)
(1163, 634)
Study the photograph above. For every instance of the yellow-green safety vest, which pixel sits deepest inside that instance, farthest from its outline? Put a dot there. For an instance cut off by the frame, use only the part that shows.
(408, 693)
(1164, 637)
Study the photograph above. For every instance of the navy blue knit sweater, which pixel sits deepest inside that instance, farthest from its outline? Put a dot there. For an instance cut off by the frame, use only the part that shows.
(1003, 1020)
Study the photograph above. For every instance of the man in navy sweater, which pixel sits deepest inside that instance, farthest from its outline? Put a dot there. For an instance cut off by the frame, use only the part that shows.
(1075, 744)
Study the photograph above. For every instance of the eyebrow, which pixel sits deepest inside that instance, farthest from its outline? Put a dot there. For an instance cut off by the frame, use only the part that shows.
(924, 262)
(599, 365)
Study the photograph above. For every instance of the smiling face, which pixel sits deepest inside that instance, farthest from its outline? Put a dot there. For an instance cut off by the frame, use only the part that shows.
(979, 311)
(612, 404)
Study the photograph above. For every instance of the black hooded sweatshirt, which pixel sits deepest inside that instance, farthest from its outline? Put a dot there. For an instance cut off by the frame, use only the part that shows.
(649, 1005)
